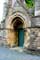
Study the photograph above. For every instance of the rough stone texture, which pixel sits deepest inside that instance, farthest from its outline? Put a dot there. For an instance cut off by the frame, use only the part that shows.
(12, 38)
(35, 38)
(35, 21)
(27, 38)
(31, 36)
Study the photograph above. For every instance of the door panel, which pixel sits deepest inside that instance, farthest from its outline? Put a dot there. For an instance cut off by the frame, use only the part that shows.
(20, 37)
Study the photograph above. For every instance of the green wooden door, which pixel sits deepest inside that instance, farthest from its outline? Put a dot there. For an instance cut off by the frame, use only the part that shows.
(20, 37)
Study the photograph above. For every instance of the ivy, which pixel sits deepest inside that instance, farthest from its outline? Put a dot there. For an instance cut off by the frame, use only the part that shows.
(29, 3)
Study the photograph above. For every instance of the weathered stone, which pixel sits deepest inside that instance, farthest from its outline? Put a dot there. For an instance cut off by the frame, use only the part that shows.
(35, 42)
(17, 18)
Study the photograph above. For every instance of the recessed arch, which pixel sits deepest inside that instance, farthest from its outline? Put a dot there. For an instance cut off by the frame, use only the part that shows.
(17, 22)
(19, 31)
(12, 37)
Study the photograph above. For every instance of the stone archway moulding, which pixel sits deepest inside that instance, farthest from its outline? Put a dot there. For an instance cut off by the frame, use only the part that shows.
(12, 39)
(20, 15)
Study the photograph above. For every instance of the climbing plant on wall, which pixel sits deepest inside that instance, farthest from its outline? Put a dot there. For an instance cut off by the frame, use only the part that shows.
(29, 3)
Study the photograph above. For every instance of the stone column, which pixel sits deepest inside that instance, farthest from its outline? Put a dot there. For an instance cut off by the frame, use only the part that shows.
(27, 38)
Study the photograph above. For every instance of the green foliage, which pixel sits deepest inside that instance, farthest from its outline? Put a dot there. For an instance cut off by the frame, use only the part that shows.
(29, 3)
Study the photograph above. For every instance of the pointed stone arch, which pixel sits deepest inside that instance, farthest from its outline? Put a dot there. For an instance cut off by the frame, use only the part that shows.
(12, 36)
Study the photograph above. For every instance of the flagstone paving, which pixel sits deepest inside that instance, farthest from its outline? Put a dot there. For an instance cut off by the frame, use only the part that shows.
(12, 54)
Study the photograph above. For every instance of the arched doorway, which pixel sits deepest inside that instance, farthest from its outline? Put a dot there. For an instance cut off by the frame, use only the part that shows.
(18, 28)
(13, 25)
